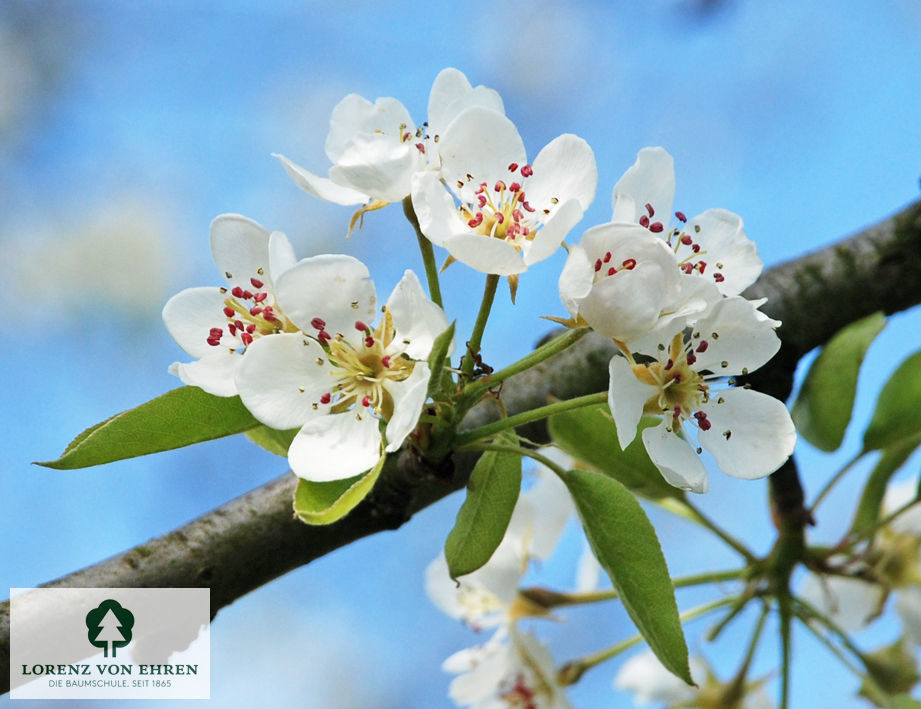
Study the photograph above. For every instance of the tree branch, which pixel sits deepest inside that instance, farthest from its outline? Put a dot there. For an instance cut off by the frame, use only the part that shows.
(255, 538)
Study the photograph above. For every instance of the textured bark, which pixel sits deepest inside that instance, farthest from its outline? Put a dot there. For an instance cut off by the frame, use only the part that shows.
(254, 538)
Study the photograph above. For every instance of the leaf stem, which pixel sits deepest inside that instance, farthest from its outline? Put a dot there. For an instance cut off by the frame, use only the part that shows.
(835, 479)
(473, 346)
(527, 452)
(427, 251)
(704, 521)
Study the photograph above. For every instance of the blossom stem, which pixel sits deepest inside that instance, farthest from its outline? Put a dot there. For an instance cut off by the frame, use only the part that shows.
(572, 671)
(883, 522)
(836, 478)
(697, 516)
(527, 452)
(428, 253)
(524, 417)
(473, 346)
(548, 598)
(735, 691)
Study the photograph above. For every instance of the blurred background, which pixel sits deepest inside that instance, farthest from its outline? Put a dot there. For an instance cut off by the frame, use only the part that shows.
(126, 127)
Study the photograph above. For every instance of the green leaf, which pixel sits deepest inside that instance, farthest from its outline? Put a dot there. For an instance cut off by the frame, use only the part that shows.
(823, 407)
(589, 436)
(273, 440)
(324, 503)
(896, 416)
(438, 357)
(871, 499)
(627, 548)
(903, 701)
(178, 418)
(492, 492)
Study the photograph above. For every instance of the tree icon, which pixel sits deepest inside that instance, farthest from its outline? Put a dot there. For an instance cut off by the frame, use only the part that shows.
(109, 626)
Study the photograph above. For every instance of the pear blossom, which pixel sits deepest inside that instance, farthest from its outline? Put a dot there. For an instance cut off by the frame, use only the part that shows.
(749, 433)
(509, 670)
(217, 325)
(625, 282)
(712, 245)
(376, 147)
(491, 208)
(354, 390)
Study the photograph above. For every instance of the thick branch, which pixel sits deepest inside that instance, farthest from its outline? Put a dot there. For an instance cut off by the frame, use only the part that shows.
(254, 539)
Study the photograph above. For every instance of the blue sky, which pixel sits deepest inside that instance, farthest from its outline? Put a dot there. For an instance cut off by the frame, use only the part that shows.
(127, 127)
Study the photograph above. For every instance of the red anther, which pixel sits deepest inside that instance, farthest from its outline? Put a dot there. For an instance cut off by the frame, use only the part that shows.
(215, 332)
(479, 190)
(514, 187)
(324, 336)
(681, 217)
(366, 401)
(701, 266)
(259, 297)
(385, 361)
(247, 338)
(687, 267)
(360, 326)
(607, 256)
(686, 239)
(247, 295)
(527, 171)
(696, 248)
(677, 410)
(229, 312)
(255, 310)
(407, 136)
(512, 166)
(500, 217)
(629, 264)
(644, 221)
(251, 328)
(612, 271)
(525, 231)
(269, 315)
(700, 415)
(718, 277)
(476, 221)
(237, 292)
(598, 265)
(256, 282)
(656, 227)
(232, 329)
(318, 323)
(527, 206)
(369, 341)
(677, 378)
(326, 398)
(669, 364)
(517, 215)
(499, 186)
(692, 358)
(239, 325)
(704, 423)
(650, 210)
(420, 147)
(213, 341)
(702, 346)
(481, 201)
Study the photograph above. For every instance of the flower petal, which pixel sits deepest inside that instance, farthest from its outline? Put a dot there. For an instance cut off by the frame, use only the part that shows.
(675, 459)
(451, 94)
(729, 252)
(408, 396)
(739, 337)
(486, 254)
(281, 255)
(435, 208)
(378, 165)
(336, 446)
(627, 396)
(651, 180)
(321, 187)
(626, 305)
(240, 248)
(333, 287)
(551, 235)
(189, 316)
(651, 683)
(281, 379)
(415, 317)
(214, 373)
(848, 602)
(751, 434)
(575, 279)
(908, 606)
(348, 118)
(565, 169)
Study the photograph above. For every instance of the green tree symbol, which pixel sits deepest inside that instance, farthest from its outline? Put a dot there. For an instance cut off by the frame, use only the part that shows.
(109, 626)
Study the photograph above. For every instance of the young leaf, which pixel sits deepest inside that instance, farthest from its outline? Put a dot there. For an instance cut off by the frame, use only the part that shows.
(627, 548)
(437, 357)
(325, 503)
(871, 499)
(492, 492)
(589, 436)
(823, 408)
(273, 440)
(895, 417)
(178, 418)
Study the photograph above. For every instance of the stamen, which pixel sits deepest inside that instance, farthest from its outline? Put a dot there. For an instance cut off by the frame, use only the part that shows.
(256, 282)
(360, 326)
(326, 398)
(681, 217)
(318, 323)
(527, 171)
(650, 210)
(656, 227)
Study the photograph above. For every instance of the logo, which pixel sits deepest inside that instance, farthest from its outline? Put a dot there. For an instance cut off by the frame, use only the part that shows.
(109, 626)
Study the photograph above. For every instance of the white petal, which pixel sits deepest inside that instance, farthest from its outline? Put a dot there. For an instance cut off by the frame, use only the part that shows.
(675, 459)
(271, 374)
(333, 287)
(626, 305)
(908, 606)
(540, 516)
(751, 433)
(335, 446)
(486, 254)
(409, 396)
(588, 571)
(575, 279)
(435, 208)
(378, 165)
(481, 143)
(415, 317)
(650, 682)
(347, 119)
(214, 373)
(850, 603)
(627, 396)
(321, 187)
(189, 316)
(745, 337)
(240, 248)
(551, 235)
(451, 94)
(651, 180)
(281, 255)
(897, 495)
(728, 251)
(564, 169)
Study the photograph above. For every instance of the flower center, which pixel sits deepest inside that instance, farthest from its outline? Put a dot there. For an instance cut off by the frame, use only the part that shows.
(604, 267)
(362, 371)
(898, 562)
(503, 211)
(417, 137)
(683, 243)
(249, 314)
